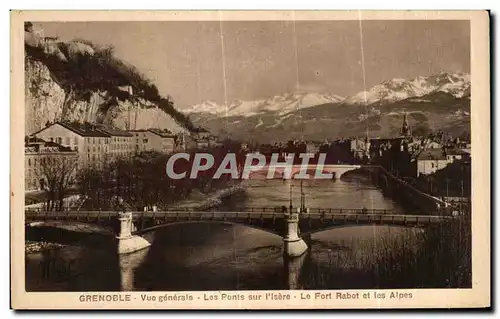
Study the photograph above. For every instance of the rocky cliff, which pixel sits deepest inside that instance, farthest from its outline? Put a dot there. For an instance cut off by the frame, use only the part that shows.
(79, 82)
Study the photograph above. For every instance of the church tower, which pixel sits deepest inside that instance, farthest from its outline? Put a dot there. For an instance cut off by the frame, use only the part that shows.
(405, 128)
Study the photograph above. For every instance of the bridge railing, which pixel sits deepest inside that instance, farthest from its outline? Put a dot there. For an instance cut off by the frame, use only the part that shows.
(251, 209)
(208, 215)
(193, 212)
(348, 211)
(69, 214)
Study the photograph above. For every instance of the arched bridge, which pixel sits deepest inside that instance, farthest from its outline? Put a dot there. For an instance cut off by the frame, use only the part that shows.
(278, 171)
(279, 221)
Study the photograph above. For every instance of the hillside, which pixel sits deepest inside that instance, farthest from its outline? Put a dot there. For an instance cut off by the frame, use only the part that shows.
(79, 81)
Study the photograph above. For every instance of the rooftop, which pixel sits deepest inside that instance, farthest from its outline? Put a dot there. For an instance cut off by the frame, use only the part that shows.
(456, 151)
(82, 129)
(112, 131)
(431, 154)
(160, 132)
(37, 145)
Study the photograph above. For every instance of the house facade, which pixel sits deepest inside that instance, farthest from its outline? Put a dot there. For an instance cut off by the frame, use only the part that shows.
(40, 157)
(121, 142)
(166, 140)
(428, 163)
(91, 144)
(431, 160)
(153, 140)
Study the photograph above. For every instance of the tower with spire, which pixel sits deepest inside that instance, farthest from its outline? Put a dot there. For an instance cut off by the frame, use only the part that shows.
(405, 128)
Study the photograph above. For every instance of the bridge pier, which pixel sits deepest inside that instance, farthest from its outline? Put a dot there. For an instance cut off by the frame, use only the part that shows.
(294, 246)
(128, 243)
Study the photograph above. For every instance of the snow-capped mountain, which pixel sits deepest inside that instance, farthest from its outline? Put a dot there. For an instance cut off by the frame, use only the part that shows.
(279, 104)
(456, 84)
(436, 102)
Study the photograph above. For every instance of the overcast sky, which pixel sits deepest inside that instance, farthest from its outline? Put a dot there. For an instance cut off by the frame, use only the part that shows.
(192, 62)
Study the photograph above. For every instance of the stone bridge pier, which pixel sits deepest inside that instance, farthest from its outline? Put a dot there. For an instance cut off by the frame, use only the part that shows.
(294, 246)
(128, 243)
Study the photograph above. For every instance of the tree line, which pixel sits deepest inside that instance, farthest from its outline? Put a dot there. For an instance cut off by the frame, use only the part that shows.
(140, 180)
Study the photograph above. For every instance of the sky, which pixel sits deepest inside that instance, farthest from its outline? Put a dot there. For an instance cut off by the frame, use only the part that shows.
(221, 61)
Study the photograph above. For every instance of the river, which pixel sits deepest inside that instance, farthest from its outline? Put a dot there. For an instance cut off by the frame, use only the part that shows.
(210, 256)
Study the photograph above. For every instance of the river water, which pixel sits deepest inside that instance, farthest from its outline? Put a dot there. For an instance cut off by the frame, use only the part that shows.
(211, 256)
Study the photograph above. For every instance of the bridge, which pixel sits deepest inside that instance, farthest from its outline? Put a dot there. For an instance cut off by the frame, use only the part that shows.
(278, 171)
(132, 227)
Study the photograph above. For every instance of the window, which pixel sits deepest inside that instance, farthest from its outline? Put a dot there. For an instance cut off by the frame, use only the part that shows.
(29, 161)
(75, 140)
(68, 141)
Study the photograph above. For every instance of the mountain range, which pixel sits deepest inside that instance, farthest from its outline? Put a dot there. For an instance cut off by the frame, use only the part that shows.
(440, 101)
(280, 104)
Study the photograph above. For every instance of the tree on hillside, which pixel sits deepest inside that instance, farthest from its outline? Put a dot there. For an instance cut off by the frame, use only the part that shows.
(80, 74)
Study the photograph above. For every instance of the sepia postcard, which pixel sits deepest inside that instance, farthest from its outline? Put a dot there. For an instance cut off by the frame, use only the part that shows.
(250, 159)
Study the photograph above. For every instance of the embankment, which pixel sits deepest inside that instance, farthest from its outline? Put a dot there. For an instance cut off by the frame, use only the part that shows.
(403, 192)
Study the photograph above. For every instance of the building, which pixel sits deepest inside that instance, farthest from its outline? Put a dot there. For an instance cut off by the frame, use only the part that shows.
(456, 154)
(43, 159)
(88, 140)
(121, 144)
(428, 143)
(153, 140)
(360, 148)
(312, 147)
(405, 127)
(167, 140)
(431, 160)
(201, 133)
(184, 141)
(141, 140)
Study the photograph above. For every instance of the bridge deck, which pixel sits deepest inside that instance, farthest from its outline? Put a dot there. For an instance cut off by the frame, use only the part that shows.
(253, 209)
(230, 215)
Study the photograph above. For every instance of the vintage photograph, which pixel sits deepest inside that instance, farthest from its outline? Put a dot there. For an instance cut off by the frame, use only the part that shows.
(230, 155)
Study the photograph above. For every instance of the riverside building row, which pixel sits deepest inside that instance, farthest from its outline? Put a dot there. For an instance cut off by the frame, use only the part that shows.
(95, 143)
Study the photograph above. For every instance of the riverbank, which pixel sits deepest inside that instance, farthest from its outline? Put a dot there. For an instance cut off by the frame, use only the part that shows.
(31, 247)
(202, 201)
